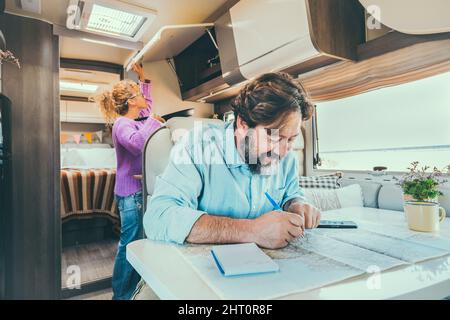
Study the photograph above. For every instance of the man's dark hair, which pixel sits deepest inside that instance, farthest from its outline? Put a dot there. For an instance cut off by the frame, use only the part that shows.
(269, 98)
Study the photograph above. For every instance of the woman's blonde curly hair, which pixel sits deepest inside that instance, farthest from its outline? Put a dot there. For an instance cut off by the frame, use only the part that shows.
(113, 103)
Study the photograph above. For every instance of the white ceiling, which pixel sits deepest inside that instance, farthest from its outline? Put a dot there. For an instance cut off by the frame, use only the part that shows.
(169, 12)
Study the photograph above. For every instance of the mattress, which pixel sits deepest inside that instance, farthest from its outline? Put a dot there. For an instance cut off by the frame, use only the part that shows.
(88, 193)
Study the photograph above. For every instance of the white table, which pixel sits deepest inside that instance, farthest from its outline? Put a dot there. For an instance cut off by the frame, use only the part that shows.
(172, 277)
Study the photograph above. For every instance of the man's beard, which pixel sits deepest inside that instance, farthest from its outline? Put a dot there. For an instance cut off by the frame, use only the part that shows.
(254, 161)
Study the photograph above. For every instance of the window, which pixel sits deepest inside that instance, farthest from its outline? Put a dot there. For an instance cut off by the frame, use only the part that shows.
(111, 18)
(114, 21)
(78, 86)
(389, 127)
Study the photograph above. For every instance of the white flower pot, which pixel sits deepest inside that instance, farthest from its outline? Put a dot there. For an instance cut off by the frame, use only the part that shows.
(424, 216)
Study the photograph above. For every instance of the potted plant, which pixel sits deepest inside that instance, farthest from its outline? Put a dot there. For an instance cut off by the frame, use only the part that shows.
(421, 191)
(419, 184)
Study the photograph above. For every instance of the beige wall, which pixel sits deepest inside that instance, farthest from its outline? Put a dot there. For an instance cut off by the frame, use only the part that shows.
(166, 92)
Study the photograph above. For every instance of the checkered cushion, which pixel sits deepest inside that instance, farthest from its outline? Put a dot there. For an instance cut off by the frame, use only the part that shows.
(321, 182)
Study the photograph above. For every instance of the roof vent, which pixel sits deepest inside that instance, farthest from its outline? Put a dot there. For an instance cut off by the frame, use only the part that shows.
(109, 18)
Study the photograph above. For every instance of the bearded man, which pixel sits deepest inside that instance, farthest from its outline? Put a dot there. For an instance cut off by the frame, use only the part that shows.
(213, 189)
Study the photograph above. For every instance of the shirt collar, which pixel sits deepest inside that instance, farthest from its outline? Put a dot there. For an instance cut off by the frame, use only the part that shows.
(232, 157)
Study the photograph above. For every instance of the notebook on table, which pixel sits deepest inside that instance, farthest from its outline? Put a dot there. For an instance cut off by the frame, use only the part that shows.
(242, 259)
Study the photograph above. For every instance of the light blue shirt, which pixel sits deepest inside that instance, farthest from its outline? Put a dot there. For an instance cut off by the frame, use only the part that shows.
(206, 175)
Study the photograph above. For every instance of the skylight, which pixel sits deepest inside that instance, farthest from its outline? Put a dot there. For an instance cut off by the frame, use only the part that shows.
(78, 86)
(115, 22)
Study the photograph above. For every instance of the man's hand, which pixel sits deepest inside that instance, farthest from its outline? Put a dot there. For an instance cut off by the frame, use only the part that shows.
(276, 229)
(310, 213)
(139, 71)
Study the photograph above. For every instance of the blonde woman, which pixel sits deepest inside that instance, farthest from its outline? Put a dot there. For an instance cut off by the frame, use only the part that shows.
(126, 102)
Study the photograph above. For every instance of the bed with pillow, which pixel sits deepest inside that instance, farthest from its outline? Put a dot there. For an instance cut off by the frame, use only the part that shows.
(88, 176)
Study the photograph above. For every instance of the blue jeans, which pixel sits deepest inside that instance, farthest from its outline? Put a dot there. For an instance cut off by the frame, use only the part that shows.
(125, 278)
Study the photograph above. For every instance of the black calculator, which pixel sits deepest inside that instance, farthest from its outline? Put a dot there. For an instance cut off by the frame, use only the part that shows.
(337, 224)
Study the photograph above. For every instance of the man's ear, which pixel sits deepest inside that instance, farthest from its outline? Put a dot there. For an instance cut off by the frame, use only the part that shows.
(241, 124)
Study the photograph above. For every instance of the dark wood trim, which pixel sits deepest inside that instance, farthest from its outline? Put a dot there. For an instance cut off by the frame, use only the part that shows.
(311, 64)
(5, 192)
(417, 58)
(56, 147)
(33, 252)
(92, 65)
(393, 41)
(336, 26)
(86, 288)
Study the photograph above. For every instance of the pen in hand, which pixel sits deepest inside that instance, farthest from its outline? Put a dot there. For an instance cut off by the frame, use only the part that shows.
(276, 206)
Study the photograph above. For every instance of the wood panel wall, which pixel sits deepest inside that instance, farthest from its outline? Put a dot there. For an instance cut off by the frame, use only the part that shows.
(34, 243)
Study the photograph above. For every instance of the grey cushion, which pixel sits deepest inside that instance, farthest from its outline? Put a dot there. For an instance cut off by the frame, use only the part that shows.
(444, 200)
(390, 197)
(370, 191)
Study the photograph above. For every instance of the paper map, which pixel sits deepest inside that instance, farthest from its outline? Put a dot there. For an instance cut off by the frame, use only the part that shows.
(323, 257)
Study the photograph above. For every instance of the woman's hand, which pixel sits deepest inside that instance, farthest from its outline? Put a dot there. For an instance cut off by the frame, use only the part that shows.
(156, 117)
(137, 68)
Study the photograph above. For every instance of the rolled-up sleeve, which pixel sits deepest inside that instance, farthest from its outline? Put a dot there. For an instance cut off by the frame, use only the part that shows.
(172, 210)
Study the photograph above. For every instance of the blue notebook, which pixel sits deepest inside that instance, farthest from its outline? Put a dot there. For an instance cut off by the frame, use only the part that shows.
(242, 259)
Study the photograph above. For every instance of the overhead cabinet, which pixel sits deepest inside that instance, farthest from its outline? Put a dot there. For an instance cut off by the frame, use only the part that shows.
(191, 50)
(199, 62)
(255, 37)
(290, 35)
(80, 112)
(295, 36)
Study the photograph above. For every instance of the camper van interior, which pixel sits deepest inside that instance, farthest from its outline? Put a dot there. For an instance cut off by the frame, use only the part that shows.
(224, 149)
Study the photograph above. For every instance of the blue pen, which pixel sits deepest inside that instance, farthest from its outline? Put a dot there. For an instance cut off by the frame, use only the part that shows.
(274, 204)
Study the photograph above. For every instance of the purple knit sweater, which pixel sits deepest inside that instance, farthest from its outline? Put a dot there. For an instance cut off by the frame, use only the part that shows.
(129, 138)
